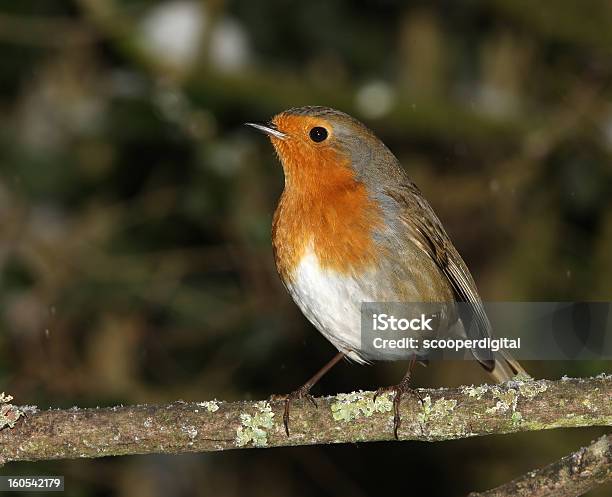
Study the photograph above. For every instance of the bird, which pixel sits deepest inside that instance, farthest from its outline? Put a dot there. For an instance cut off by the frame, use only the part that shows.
(351, 227)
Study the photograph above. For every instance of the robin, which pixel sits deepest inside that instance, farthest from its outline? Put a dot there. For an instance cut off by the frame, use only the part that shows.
(350, 227)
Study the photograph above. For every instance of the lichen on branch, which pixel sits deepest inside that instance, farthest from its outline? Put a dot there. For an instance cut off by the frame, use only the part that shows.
(522, 404)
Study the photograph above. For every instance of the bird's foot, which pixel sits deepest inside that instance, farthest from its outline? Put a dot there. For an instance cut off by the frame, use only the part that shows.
(398, 392)
(301, 393)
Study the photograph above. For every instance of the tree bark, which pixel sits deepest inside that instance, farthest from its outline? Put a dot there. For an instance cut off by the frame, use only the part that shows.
(573, 475)
(431, 415)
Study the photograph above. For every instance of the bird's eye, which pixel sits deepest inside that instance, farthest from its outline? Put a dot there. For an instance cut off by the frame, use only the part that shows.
(318, 134)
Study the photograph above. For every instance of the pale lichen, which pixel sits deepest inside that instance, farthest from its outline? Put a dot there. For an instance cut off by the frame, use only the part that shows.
(210, 405)
(349, 406)
(522, 376)
(436, 410)
(9, 414)
(472, 391)
(600, 448)
(191, 431)
(589, 405)
(507, 395)
(506, 400)
(253, 428)
(531, 388)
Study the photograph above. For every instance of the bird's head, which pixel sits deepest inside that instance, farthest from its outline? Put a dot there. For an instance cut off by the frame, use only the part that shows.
(324, 146)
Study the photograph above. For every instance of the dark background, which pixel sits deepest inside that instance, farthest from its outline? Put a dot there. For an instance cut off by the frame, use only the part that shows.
(135, 210)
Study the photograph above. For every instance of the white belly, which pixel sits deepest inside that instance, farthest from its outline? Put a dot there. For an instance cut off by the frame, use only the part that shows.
(331, 302)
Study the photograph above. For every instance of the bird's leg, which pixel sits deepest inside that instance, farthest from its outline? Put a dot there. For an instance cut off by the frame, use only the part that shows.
(399, 390)
(304, 390)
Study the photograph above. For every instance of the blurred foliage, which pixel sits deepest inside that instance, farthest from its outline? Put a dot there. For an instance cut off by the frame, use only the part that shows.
(135, 260)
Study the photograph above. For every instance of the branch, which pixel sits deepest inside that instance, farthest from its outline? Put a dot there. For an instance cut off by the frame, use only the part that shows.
(573, 475)
(444, 414)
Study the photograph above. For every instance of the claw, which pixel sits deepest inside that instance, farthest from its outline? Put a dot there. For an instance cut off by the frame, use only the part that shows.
(382, 390)
(304, 391)
(398, 391)
(286, 415)
(312, 400)
(418, 395)
(300, 393)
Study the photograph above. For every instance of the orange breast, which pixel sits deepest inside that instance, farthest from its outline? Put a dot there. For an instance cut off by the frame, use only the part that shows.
(325, 208)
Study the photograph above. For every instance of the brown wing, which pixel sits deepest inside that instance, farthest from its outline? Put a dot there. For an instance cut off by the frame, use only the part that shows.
(427, 232)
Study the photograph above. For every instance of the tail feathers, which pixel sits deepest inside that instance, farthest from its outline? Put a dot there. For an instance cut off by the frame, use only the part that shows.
(505, 368)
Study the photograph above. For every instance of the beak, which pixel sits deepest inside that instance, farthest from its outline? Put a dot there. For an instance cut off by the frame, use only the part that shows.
(268, 128)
